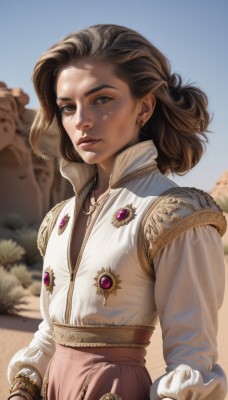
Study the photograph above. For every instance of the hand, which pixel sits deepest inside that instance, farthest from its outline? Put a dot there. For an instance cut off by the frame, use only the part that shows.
(17, 397)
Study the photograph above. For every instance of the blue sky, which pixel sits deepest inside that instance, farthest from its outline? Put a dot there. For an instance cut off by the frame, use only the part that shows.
(192, 34)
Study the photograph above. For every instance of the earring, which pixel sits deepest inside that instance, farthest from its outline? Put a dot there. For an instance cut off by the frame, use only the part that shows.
(141, 123)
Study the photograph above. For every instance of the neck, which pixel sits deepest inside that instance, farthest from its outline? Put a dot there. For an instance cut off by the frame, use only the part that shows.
(103, 175)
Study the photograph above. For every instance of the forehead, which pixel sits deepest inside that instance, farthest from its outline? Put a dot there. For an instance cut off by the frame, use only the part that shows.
(81, 76)
(87, 67)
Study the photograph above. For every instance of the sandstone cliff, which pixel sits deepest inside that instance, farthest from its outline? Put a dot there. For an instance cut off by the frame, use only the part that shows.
(30, 186)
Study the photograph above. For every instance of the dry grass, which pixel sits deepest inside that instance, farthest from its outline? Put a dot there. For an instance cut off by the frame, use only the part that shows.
(22, 274)
(10, 252)
(35, 288)
(12, 296)
(27, 238)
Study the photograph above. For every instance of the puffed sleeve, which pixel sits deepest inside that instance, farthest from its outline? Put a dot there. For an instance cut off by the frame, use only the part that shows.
(180, 247)
(189, 291)
(33, 360)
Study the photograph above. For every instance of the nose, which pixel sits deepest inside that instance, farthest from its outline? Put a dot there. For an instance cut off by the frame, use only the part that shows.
(83, 119)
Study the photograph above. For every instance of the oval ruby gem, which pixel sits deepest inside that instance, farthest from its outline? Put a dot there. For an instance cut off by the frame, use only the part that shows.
(62, 222)
(106, 282)
(46, 278)
(122, 214)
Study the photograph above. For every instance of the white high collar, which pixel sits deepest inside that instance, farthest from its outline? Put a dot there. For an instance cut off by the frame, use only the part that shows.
(134, 158)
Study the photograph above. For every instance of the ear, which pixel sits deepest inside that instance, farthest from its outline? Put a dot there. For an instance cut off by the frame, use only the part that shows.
(146, 108)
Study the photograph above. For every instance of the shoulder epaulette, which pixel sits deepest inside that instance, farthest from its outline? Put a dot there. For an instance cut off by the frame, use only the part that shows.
(47, 226)
(174, 212)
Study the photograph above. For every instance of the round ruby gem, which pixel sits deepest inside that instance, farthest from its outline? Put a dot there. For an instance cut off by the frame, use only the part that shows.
(122, 214)
(46, 278)
(106, 282)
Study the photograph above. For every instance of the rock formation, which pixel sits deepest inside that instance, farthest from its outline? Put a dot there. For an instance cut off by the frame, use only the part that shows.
(220, 191)
(30, 186)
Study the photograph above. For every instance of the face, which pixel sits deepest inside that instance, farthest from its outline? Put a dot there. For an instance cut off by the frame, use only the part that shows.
(97, 110)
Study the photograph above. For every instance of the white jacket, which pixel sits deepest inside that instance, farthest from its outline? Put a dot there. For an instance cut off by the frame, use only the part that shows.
(164, 261)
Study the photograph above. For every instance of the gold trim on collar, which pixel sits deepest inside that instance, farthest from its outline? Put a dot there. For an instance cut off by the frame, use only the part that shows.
(136, 174)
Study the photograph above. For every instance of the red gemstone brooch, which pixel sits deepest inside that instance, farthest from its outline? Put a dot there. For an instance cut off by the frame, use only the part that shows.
(123, 216)
(106, 283)
(63, 224)
(49, 280)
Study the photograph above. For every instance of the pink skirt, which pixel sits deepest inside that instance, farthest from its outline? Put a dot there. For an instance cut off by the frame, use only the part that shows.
(97, 373)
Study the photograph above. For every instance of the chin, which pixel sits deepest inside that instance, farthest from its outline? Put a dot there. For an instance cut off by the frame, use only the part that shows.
(90, 159)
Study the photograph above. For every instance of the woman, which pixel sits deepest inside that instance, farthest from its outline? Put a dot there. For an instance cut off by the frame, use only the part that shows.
(131, 246)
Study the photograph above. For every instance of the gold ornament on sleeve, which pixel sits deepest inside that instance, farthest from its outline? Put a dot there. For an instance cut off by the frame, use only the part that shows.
(106, 283)
(23, 386)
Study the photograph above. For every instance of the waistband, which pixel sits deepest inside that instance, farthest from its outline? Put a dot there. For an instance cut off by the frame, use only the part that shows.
(102, 336)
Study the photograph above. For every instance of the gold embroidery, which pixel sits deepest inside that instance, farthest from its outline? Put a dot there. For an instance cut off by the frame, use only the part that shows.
(136, 174)
(22, 383)
(102, 336)
(171, 214)
(46, 227)
(107, 283)
(44, 390)
(123, 215)
(49, 280)
(84, 389)
(110, 396)
(63, 224)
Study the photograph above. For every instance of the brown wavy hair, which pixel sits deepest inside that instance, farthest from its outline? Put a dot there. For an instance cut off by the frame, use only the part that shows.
(180, 119)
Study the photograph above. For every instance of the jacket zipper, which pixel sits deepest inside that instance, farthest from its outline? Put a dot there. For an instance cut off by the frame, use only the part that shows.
(72, 271)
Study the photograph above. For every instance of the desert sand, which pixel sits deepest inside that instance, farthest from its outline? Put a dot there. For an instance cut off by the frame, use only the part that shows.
(17, 331)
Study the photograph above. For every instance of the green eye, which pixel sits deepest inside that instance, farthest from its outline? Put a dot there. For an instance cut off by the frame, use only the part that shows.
(67, 109)
(103, 99)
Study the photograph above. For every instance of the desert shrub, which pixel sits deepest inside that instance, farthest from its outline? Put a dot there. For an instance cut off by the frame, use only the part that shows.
(35, 288)
(12, 296)
(13, 222)
(223, 203)
(22, 274)
(28, 239)
(10, 252)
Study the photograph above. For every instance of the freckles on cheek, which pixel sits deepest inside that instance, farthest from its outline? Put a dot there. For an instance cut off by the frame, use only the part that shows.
(106, 117)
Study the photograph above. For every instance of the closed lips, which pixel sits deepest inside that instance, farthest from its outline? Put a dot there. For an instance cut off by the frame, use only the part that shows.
(87, 139)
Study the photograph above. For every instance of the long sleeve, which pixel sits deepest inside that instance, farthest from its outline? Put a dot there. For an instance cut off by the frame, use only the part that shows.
(33, 360)
(189, 291)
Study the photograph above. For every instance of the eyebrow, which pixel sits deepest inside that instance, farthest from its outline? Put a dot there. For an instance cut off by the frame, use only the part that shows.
(91, 91)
